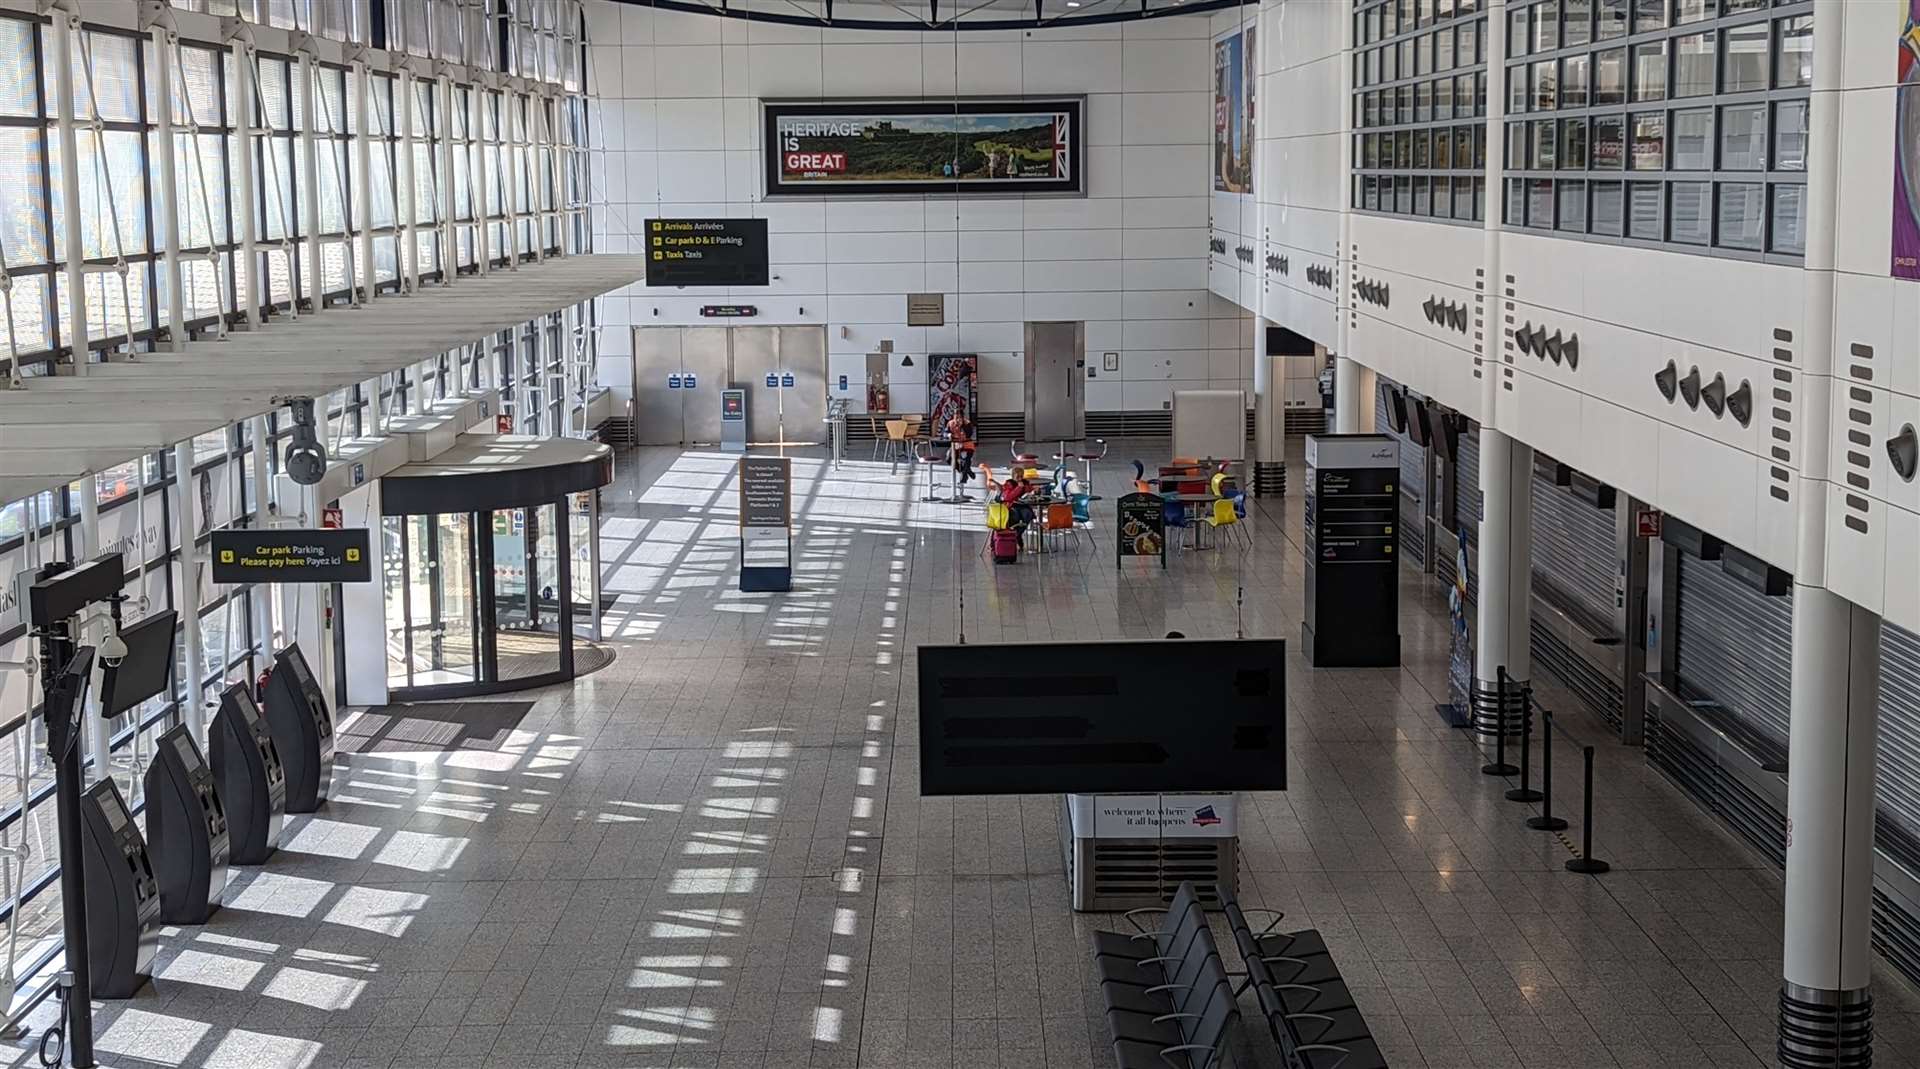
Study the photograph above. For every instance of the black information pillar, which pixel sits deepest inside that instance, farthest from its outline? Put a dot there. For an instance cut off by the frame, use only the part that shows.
(1353, 581)
(252, 783)
(302, 727)
(186, 830)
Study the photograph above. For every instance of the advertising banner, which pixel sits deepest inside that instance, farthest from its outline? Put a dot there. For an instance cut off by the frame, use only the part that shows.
(1906, 148)
(1140, 527)
(979, 147)
(1233, 79)
(951, 379)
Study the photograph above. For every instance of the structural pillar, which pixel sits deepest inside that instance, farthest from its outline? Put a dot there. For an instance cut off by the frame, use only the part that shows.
(1269, 469)
(1826, 1009)
(1353, 389)
(1505, 561)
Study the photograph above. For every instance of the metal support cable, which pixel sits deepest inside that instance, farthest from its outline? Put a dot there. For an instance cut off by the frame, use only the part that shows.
(103, 179)
(206, 194)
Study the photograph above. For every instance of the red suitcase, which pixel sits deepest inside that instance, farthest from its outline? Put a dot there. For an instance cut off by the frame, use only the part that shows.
(1005, 547)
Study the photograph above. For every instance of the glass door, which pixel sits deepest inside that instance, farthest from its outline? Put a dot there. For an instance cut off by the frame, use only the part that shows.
(532, 617)
(432, 611)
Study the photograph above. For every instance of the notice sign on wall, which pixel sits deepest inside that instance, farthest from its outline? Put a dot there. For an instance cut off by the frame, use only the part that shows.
(288, 555)
(766, 493)
(707, 252)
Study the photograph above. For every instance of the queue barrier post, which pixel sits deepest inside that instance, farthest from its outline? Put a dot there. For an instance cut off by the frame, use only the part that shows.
(1586, 863)
(1525, 792)
(1546, 821)
(1499, 766)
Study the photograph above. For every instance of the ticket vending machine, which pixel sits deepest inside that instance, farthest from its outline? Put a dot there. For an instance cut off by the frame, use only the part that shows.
(251, 782)
(733, 420)
(302, 727)
(187, 827)
(123, 897)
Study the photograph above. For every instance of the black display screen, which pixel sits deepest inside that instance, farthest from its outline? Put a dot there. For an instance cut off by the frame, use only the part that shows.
(146, 670)
(1098, 717)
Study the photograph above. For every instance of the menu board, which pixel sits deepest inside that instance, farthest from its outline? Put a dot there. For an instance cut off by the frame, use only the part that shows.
(1141, 526)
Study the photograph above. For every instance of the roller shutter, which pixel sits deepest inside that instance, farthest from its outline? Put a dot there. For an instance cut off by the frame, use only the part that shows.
(1735, 649)
(1575, 566)
(1898, 785)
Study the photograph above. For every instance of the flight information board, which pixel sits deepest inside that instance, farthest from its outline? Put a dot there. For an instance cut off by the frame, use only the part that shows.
(707, 252)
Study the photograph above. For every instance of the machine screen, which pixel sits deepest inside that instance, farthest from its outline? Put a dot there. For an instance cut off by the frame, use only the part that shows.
(116, 816)
(187, 753)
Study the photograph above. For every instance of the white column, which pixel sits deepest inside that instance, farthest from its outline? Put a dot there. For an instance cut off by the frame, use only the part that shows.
(93, 725)
(263, 492)
(1348, 395)
(1506, 578)
(409, 205)
(187, 512)
(478, 100)
(65, 25)
(247, 280)
(1826, 1006)
(450, 234)
(164, 39)
(310, 103)
(1268, 439)
(363, 170)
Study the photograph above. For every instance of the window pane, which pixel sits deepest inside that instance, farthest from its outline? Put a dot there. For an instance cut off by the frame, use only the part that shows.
(1516, 202)
(1742, 212)
(1546, 26)
(1423, 102)
(1650, 141)
(1789, 219)
(1573, 144)
(1610, 77)
(1573, 206)
(1443, 98)
(1685, 11)
(1442, 149)
(1693, 140)
(1693, 65)
(1735, 7)
(1613, 20)
(1403, 194)
(1545, 139)
(1609, 210)
(1609, 142)
(1470, 148)
(1420, 146)
(1540, 203)
(1443, 50)
(1518, 36)
(1519, 89)
(1546, 86)
(1644, 217)
(1573, 82)
(1517, 146)
(1688, 220)
(1744, 58)
(1423, 54)
(1790, 135)
(1576, 25)
(1794, 64)
(1422, 200)
(1743, 138)
(1464, 204)
(1649, 15)
(1468, 52)
(1650, 72)
(1479, 92)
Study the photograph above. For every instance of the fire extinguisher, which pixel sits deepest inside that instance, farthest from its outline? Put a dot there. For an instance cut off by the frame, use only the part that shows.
(260, 687)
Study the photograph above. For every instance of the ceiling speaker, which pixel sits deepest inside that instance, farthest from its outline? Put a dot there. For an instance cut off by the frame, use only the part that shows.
(1690, 388)
(1740, 403)
(1715, 395)
(1667, 379)
(1904, 450)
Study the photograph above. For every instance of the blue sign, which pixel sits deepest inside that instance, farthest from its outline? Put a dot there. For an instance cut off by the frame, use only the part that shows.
(786, 380)
(689, 380)
(773, 380)
(843, 382)
(673, 382)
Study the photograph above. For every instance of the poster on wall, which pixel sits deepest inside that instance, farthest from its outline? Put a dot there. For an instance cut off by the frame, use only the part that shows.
(1906, 151)
(1233, 78)
(875, 148)
(952, 381)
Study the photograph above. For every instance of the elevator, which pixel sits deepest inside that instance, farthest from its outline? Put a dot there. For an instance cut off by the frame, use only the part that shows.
(678, 373)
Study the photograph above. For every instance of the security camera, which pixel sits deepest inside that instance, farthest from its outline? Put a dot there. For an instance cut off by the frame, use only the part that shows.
(306, 459)
(113, 649)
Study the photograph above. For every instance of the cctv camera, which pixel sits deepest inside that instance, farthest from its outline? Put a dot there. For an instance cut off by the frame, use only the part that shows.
(306, 459)
(113, 650)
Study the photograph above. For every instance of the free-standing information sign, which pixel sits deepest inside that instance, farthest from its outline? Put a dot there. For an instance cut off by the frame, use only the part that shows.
(1141, 528)
(707, 252)
(292, 555)
(1353, 583)
(766, 515)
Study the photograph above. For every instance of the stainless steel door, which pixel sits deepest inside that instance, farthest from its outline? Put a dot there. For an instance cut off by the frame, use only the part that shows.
(756, 354)
(1056, 396)
(803, 354)
(656, 408)
(703, 354)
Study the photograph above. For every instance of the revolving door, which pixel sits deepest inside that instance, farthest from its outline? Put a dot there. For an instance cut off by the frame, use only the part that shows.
(480, 599)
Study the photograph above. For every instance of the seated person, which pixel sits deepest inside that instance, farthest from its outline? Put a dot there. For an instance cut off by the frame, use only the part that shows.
(1013, 492)
(960, 447)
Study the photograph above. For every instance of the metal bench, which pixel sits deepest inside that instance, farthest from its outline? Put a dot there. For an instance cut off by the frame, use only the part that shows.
(1169, 1001)
(1309, 1010)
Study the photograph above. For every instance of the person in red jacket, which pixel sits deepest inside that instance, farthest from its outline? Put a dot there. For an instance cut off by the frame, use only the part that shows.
(1012, 491)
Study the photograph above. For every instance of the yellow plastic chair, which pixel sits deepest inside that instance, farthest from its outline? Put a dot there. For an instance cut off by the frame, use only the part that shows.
(1223, 517)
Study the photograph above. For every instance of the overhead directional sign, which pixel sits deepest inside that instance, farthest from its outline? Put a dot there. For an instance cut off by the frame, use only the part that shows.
(292, 555)
(707, 252)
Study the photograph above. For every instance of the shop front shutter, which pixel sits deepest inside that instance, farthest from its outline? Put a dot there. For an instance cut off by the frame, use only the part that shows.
(1735, 649)
(1898, 784)
(1466, 508)
(1574, 564)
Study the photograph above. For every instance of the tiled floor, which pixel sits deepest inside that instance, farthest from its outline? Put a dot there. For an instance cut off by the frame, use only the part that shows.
(713, 853)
